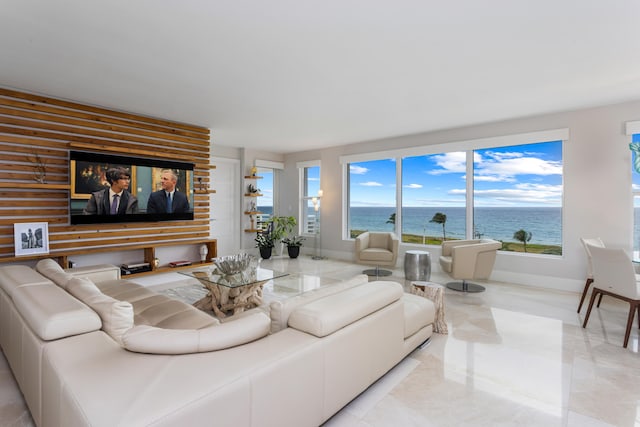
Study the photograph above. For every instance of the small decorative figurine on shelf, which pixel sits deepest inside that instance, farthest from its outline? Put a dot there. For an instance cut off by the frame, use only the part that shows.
(203, 253)
(252, 189)
(253, 224)
(252, 206)
(254, 171)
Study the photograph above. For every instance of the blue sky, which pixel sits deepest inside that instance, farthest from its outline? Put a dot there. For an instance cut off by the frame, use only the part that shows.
(525, 175)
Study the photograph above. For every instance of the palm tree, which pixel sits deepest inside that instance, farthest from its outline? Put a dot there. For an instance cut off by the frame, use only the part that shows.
(440, 218)
(392, 219)
(523, 236)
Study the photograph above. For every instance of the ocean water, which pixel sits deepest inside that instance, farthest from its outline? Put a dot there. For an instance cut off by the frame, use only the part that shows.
(544, 224)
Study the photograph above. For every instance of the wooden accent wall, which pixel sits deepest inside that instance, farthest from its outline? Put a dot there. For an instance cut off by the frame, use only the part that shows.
(33, 125)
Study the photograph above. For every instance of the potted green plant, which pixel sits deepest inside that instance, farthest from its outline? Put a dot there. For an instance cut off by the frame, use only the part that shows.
(265, 243)
(293, 245)
(280, 227)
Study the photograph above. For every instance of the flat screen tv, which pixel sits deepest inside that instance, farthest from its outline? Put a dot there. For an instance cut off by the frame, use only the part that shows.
(139, 179)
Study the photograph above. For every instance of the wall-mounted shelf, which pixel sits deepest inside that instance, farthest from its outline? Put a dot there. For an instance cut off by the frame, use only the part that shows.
(252, 195)
(252, 212)
(252, 177)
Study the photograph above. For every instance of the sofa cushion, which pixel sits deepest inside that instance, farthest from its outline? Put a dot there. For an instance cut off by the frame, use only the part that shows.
(326, 315)
(149, 339)
(117, 316)
(153, 309)
(280, 310)
(52, 313)
(51, 269)
(15, 276)
(418, 313)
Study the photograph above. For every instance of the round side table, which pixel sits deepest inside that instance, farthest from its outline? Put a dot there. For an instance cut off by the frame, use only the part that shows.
(417, 265)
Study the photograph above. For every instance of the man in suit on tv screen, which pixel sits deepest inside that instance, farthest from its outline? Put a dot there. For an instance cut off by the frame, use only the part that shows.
(168, 200)
(115, 200)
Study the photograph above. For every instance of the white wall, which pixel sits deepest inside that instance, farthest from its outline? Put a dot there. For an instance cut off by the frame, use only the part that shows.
(597, 189)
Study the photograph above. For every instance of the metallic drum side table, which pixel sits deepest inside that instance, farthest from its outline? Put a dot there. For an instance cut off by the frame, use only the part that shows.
(417, 265)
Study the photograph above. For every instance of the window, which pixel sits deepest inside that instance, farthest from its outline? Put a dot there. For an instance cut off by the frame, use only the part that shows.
(433, 184)
(507, 188)
(309, 204)
(519, 188)
(635, 186)
(265, 201)
(372, 196)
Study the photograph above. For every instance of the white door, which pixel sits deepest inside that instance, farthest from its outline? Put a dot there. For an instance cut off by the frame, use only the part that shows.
(225, 205)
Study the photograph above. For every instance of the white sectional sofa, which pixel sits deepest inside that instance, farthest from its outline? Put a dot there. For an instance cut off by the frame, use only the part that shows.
(90, 349)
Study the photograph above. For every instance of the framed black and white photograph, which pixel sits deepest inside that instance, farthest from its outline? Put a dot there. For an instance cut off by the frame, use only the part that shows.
(31, 238)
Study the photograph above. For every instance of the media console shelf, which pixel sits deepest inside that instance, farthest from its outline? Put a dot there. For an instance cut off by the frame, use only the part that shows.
(148, 252)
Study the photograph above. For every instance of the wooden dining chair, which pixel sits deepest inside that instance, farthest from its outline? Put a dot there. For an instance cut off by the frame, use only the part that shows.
(614, 275)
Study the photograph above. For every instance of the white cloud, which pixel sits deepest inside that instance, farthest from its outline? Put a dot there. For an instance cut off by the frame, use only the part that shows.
(450, 163)
(506, 166)
(486, 178)
(370, 184)
(523, 193)
(413, 186)
(358, 170)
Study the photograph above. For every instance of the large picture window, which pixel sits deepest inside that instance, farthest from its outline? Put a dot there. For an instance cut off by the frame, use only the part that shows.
(433, 198)
(372, 196)
(517, 196)
(510, 193)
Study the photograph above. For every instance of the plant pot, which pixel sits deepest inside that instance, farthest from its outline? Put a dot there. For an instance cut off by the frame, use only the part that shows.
(293, 251)
(265, 253)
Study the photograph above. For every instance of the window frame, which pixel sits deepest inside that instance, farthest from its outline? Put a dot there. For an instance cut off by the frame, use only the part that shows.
(468, 146)
(304, 197)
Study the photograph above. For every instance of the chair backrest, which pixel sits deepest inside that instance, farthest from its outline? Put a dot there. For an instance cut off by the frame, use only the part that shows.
(380, 240)
(613, 271)
(472, 259)
(596, 241)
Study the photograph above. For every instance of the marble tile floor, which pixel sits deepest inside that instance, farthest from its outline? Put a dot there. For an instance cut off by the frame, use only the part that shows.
(514, 356)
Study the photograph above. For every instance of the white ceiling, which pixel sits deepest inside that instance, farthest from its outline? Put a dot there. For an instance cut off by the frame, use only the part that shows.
(292, 75)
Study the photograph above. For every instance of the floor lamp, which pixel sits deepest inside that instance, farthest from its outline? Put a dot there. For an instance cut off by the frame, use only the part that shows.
(316, 207)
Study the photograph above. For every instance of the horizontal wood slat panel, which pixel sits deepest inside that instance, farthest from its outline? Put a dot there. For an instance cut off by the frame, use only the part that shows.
(139, 150)
(123, 242)
(77, 106)
(96, 124)
(33, 125)
(75, 130)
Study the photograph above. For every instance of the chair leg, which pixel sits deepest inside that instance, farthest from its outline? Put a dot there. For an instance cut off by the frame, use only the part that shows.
(599, 300)
(632, 311)
(591, 301)
(584, 293)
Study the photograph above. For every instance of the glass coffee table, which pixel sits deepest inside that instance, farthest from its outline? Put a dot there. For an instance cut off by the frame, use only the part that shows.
(231, 294)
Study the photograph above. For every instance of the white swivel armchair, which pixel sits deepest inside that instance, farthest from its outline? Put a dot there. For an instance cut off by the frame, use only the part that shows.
(377, 248)
(468, 260)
